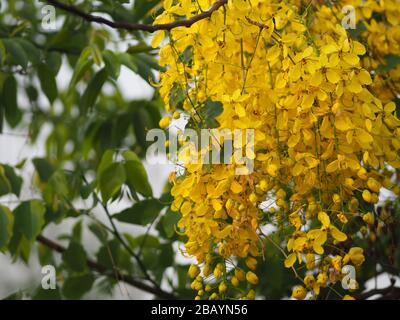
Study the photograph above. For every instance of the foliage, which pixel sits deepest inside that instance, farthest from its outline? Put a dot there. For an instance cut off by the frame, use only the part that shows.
(93, 148)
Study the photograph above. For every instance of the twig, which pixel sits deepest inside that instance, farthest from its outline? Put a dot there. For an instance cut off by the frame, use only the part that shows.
(387, 293)
(115, 232)
(137, 26)
(104, 271)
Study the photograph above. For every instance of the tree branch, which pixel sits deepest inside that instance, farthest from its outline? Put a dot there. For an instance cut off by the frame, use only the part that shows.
(137, 26)
(104, 271)
(389, 293)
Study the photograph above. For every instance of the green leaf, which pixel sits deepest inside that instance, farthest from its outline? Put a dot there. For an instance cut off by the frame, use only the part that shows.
(16, 52)
(169, 221)
(141, 213)
(177, 96)
(42, 294)
(127, 60)
(47, 82)
(83, 64)
(137, 179)
(14, 180)
(130, 156)
(54, 62)
(6, 226)
(142, 7)
(112, 63)
(93, 90)
(29, 218)
(9, 100)
(139, 48)
(5, 186)
(1, 117)
(111, 180)
(99, 231)
(209, 111)
(3, 53)
(391, 62)
(32, 52)
(96, 54)
(88, 189)
(44, 168)
(76, 286)
(145, 66)
(360, 28)
(186, 57)
(144, 240)
(106, 161)
(76, 234)
(166, 256)
(108, 254)
(75, 257)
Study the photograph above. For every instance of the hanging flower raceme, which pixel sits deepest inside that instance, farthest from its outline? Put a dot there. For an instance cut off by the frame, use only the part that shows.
(326, 132)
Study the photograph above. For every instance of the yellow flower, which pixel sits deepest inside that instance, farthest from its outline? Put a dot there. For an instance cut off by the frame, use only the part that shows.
(337, 263)
(194, 271)
(367, 195)
(235, 281)
(373, 185)
(251, 295)
(164, 122)
(251, 277)
(309, 281)
(213, 296)
(347, 297)
(290, 260)
(222, 287)
(217, 272)
(196, 285)
(369, 218)
(240, 274)
(251, 263)
(299, 293)
(342, 217)
(337, 199)
(263, 185)
(253, 197)
(322, 279)
(356, 255)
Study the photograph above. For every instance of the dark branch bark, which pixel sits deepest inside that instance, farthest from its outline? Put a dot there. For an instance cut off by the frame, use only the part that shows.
(388, 293)
(137, 26)
(104, 271)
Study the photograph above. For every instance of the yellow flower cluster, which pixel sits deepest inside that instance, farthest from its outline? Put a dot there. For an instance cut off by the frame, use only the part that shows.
(326, 131)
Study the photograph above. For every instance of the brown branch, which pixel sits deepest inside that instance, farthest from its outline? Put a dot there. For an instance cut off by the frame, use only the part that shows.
(137, 26)
(389, 293)
(104, 271)
(257, 24)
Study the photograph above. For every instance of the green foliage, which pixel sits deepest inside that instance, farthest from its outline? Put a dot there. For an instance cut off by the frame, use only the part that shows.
(6, 226)
(29, 219)
(141, 213)
(93, 150)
